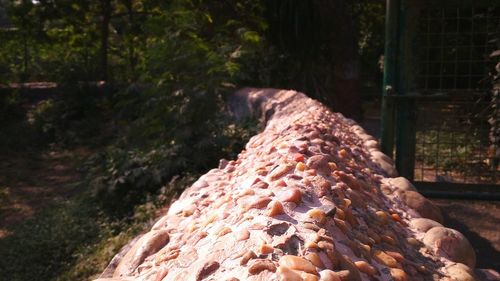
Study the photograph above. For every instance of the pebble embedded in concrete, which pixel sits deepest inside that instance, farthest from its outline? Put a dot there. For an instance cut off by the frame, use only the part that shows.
(310, 198)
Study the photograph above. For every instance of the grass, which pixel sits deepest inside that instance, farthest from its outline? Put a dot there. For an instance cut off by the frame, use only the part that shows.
(446, 150)
(456, 156)
(74, 239)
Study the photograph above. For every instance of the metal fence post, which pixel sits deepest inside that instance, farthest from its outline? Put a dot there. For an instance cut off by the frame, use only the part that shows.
(405, 107)
(390, 74)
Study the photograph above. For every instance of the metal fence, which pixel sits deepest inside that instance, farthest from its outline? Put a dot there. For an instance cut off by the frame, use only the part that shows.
(440, 117)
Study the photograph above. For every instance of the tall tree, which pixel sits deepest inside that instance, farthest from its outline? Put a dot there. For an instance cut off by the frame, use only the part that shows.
(104, 28)
(319, 35)
(343, 43)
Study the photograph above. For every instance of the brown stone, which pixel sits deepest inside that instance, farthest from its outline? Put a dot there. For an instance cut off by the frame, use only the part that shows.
(422, 205)
(260, 265)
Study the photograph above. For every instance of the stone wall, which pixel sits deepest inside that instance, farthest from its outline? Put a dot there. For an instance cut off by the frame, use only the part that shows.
(310, 198)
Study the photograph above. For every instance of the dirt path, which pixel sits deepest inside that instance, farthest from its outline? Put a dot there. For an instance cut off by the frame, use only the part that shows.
(30, 181)
(479, 221)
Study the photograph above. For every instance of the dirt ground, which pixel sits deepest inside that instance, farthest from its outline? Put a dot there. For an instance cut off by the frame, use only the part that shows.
(30, 181)
(479, 221)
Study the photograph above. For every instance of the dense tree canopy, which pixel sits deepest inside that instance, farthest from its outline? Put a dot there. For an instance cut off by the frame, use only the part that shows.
(301, 44)
(106, 40)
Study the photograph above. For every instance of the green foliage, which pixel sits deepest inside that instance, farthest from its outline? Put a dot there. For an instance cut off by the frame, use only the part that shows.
(171, 122)
(48, 41)
(62, 40)
(448, 150)
(124, 177)
(175, 121)
(370, 22)
(72, 116)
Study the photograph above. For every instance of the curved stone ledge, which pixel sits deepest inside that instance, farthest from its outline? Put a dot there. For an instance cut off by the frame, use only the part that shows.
(310, 198)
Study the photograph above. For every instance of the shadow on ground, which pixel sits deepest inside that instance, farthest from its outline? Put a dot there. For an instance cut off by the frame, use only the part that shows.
(479, 222)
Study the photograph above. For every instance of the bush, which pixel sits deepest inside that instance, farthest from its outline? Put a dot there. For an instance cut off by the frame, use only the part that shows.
(124, 177)
(73, 116)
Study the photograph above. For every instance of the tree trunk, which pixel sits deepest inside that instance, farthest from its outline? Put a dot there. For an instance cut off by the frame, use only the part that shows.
(132, 58)
(106, 16)
(337, 19)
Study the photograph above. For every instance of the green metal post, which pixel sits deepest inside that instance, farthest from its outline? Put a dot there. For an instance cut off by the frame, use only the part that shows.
(390, 76)
(405, 110)
(406, 139)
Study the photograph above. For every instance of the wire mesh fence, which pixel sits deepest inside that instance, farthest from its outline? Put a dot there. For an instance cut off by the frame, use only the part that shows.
(453, 142)
(457, 138)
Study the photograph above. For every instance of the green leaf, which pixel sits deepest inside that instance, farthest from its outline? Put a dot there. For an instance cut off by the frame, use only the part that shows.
(251, 37)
